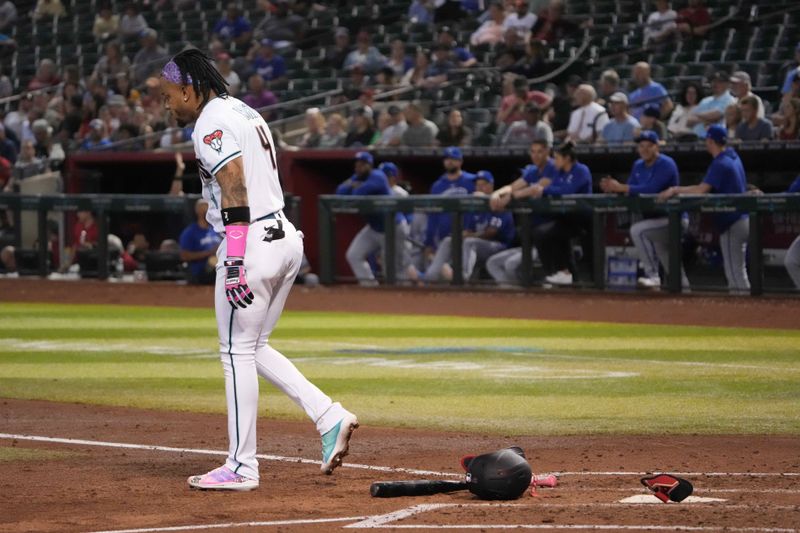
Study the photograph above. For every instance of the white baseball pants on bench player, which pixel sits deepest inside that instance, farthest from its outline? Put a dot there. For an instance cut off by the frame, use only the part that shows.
(651, 239)
(244, 343)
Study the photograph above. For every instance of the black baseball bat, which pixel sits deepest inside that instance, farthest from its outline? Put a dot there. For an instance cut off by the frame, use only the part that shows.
(423, 487)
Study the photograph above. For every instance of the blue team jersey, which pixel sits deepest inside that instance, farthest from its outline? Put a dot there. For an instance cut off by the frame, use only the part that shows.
(532, 174)
(504, 222)
(578, 180)
(197, 239)
(795, 186)
(439, 225)
(270, 69)
(651, 95)
(232, 29)
(726, 176)
(374, 184)
(653, 179)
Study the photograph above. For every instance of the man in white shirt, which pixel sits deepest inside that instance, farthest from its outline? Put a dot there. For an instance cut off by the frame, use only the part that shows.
(588, 120)
(392, 135)
(521, 20)
(741, 86)
(491, 31)
(661, 24)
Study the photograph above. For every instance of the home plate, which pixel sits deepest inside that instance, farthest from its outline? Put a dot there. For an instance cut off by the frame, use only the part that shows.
(651, 498)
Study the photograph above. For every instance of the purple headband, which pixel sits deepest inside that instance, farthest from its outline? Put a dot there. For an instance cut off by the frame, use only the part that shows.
(172, 73)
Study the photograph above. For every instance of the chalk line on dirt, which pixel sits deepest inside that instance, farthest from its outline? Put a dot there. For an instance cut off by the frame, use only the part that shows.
(298, 522)
(376, 468)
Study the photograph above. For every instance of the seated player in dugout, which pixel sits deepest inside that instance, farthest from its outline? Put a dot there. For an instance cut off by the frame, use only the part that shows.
(725, 175)
(504, 266)
(553, 238)
(198, 247)
(484, 234)
(454, 182)
(367, 181)
(652, 173)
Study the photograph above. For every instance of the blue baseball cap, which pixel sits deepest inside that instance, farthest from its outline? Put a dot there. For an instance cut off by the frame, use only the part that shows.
(452, 152)
(484, 175)
(718, 134)
(267, 42)
(388, 168)
(647, 135)
(365, 157)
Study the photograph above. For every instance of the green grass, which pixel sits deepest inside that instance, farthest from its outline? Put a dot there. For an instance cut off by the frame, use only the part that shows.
(497, 375)
(9, 454)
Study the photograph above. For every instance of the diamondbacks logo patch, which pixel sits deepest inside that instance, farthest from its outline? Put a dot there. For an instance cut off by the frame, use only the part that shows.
(214, 140)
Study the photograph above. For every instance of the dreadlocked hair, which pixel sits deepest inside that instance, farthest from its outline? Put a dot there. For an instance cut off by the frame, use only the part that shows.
(205, 77)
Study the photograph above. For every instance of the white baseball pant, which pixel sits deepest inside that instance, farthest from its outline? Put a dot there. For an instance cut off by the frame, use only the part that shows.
(368, 242)
(792, 262)
(473, 250)
(244, 343)
(504, 266)
(651, 239)
(733, 244)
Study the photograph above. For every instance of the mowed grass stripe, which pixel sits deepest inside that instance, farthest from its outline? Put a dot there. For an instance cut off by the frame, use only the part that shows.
(568, 377)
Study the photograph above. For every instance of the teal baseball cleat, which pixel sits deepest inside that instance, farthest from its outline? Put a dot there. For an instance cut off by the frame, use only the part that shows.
(336, 443)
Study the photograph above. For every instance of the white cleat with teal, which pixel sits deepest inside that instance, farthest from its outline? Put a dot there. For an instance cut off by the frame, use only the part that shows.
(336, 443)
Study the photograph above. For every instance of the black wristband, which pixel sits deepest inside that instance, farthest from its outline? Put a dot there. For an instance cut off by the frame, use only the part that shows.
(231, 215)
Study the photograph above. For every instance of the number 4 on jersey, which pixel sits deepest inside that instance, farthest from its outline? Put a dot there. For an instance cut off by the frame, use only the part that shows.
(265, 143)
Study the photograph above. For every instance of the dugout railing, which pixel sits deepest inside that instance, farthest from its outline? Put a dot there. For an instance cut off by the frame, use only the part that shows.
(103, 206)
(595, 206)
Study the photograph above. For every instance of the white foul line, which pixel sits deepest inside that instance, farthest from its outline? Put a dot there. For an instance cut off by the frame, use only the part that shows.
(389, 519)
(199, 451)
(602, 527)
(414, 471)
(235, 524)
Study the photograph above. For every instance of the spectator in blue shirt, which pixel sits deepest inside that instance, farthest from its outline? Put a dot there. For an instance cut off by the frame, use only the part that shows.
(234, 28)
(367, 181)
(198, 243)
(459, 55)
(441, 64)
(711, 109)
(267, 64)
(97, 138)
(365, 55)
(552, 238)
(421, 12)
(622, 128)
(648, 93)
(504, 265)
(653, 173)
(792, 73)
(725, 175)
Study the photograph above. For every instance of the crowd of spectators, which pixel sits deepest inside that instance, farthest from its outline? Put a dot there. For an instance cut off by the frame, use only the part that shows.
(120, 99)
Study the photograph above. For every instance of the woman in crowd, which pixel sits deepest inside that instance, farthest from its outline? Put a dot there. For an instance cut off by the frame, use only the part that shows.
(335, 133)
(315, 124)
(691, 94)
(790, 129)
(454, 133)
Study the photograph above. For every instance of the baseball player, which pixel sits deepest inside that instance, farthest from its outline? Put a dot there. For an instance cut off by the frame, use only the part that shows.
(725, 176)
(503, 266)
(484, 235)
(651, 174)
(367, 181)
(792, 259)
(258, 260)
(393, 175)
(454, 182)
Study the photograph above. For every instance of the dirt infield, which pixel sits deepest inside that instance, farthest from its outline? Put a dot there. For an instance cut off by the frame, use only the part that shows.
(108, 488)
(633, 308)
(118, 468)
